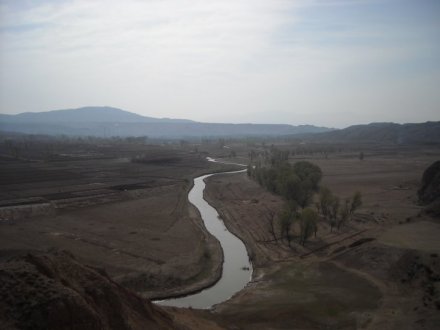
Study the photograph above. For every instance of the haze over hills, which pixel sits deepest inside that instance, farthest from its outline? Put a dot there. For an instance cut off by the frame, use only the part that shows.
(390, 133)
(107, 121)
(86, 115)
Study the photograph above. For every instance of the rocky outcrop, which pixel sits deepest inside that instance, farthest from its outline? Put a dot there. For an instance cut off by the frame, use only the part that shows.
(429, 193)
(430, 190)
(55, 291)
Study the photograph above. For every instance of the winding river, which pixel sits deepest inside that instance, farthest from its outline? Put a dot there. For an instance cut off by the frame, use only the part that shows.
(237, 268)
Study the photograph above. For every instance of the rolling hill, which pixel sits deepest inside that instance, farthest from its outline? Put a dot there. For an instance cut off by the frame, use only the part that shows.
(390, 133)
(107, 121)
(86, 115)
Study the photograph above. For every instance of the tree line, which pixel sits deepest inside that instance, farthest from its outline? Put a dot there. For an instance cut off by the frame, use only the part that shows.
(298, 184)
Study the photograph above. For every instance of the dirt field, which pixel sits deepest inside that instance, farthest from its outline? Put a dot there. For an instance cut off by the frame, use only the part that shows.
(127, 211)
(357, 277)
(421, 236)
(131, 218)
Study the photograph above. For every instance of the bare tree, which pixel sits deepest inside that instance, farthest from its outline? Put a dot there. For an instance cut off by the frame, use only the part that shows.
(350, 206)
(356, 202)
(333, 212)
(287, 218)
(325, 201)
(308, 224)
(344, 213)
(270, 224)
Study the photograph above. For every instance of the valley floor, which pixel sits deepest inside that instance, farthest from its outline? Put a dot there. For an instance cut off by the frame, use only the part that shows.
(131, 219)
(380, 271)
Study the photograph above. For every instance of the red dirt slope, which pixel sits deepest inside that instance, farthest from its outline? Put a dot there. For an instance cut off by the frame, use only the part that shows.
(55, 291)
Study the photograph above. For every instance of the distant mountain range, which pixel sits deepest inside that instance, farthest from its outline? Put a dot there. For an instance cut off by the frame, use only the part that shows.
(390, 133)
(86, 115)
(107, 121)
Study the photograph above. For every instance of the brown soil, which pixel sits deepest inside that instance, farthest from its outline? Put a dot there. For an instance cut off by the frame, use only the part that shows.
(133, 219)
(245, 205)
(380, 271)
(358, 277)
(55, 291)
(420, 236)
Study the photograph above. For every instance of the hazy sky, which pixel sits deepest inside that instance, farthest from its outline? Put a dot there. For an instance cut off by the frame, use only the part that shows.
(323, 62)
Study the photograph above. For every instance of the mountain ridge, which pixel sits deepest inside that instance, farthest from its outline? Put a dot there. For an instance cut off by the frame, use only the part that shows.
(108, 121)
(93, 113)
(383, 132)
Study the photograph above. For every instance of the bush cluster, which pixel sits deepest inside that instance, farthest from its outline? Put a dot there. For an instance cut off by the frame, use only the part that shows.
(296, 183)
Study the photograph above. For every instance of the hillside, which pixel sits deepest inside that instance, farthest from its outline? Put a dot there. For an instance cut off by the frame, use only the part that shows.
(106, 121)
(429, 192)
(55, 291)
(85, 115)
(390, 133)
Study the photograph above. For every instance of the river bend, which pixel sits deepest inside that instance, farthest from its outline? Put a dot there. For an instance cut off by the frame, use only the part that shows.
(237, 268)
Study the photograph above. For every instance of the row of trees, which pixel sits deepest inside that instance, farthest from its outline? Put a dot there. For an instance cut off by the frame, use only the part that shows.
(307, 219)
(265, 152)
(298, 184)
(331, 208)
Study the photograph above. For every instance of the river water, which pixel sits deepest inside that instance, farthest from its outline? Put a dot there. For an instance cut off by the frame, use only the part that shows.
(237, 269)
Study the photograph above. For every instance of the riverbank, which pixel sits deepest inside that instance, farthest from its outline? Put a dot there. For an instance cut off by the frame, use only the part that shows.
(236, 267)
(359, 277)
(132, 219)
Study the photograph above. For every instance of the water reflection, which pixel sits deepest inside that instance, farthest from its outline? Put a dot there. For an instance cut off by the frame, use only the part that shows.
(237, 269)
